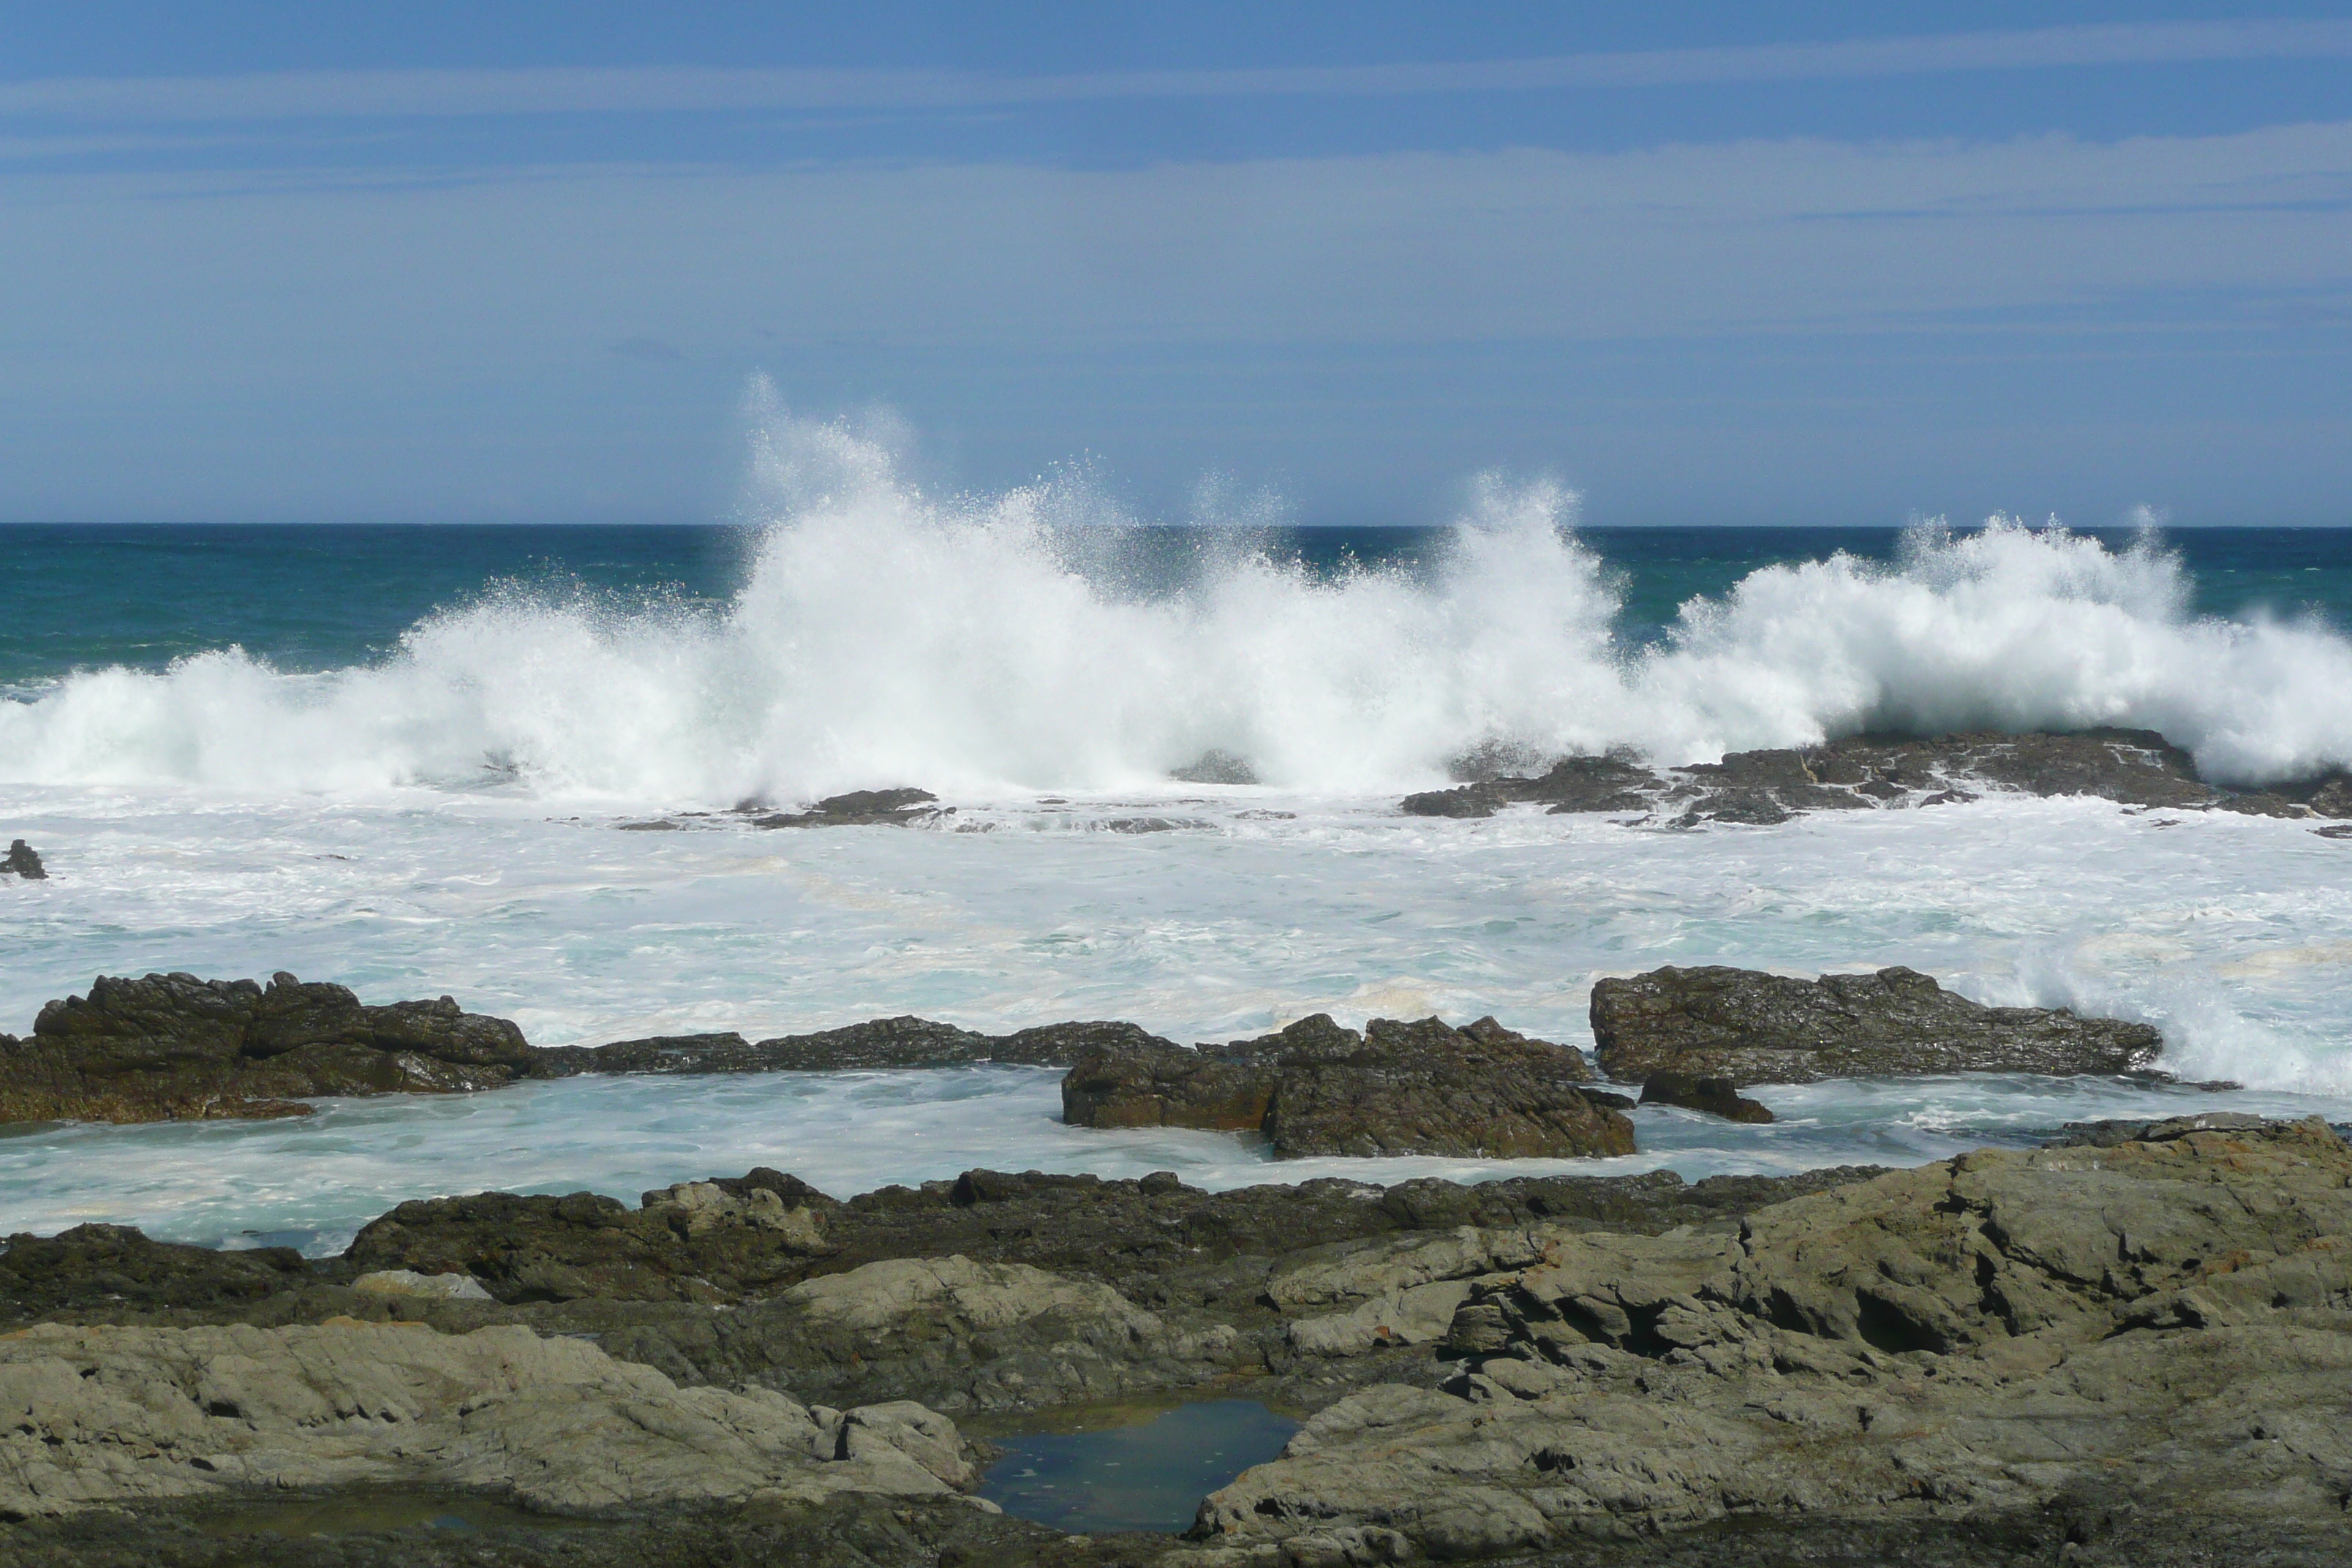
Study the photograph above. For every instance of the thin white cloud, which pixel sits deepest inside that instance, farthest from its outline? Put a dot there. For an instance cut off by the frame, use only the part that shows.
(305, 95)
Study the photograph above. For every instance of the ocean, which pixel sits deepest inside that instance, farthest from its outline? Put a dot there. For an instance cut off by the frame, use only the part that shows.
(399, 758)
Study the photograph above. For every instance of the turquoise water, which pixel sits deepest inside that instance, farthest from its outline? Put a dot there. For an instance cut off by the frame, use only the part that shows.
(1151, 1476)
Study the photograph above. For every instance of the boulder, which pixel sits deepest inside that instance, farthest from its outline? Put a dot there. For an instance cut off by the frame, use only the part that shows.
(1751, 1028)
(1715, 1096)
(1396, 1088)
(22, 861)
(101, 1415)
(170, 1046)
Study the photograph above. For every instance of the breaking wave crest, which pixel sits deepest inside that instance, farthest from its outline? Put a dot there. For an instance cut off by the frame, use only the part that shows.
(886, 636)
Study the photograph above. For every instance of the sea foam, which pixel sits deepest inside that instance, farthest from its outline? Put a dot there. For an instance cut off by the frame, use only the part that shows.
(886, 636)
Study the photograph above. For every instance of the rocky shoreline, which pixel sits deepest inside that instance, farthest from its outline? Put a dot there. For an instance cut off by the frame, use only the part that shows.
(2122, 1347)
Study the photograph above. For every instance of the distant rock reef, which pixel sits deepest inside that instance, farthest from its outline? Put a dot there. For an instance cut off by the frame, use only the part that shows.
(2133, 767)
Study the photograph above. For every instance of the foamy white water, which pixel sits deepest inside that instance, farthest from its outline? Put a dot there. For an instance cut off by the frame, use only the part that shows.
(2233, 934)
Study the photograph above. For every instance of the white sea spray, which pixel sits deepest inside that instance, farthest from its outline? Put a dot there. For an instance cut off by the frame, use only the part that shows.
(887, 636)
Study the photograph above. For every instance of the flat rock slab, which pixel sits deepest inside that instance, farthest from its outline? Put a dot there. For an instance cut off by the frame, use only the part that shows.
(108, 1415)
(1752, 1027)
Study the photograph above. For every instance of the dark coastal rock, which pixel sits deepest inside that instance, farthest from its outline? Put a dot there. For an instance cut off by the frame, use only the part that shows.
(859, 808)
(1749, 1027)
(2332, 795)
(1396, 1088)
(2133, 767)
(1573, 784)
(1162, 1084)
(150, 1281)
(1214, 766)
(170, 1046)
(708, 1241)
(22, 861)
(1715, 1096)
(2114, 1133)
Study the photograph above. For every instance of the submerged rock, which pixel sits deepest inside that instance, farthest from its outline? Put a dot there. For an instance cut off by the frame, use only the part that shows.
(22, 861)
(1396, 1088)
(172, 1046)
(1750, 1027)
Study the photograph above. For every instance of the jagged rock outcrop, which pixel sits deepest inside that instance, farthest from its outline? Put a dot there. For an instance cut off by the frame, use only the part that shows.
(2133, 767)
(108, 1415)
(172, 1046)
(1396, 1088)
(22, 861)
(1750, 1027)
(2161, 1324)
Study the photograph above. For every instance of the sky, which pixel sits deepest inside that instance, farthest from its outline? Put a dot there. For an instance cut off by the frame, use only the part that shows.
(1705, 263)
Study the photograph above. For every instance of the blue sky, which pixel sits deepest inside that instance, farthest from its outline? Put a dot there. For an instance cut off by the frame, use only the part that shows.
(1708, 263)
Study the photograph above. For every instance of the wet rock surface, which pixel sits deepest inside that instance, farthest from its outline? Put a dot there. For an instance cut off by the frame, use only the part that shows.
(1316, 1088)
(22, 860)
(1751, 1028)
(2133, 767)
(172, 1046)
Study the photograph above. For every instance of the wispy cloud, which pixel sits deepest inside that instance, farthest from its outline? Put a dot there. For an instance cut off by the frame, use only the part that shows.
(307, 95)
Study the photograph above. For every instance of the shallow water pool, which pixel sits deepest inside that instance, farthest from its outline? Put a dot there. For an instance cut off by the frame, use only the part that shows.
(1105, 1471)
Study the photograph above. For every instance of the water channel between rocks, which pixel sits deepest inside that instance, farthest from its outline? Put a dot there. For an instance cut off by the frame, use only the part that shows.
(1104, 1471)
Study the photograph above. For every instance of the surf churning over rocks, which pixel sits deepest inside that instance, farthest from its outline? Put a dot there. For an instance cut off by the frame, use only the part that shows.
(883, 633)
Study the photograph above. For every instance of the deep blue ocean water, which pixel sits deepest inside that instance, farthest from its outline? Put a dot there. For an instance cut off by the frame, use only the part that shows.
(319, 597)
